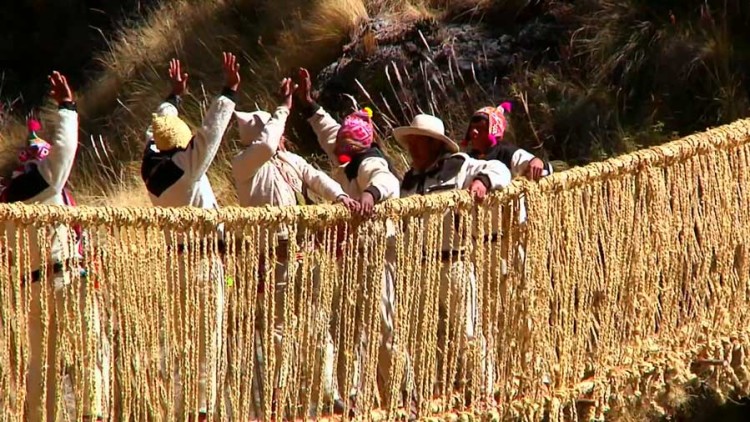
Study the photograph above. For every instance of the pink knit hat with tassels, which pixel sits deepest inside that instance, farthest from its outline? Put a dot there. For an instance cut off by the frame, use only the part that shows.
(37, 149)
(356, 133)
(498, 122)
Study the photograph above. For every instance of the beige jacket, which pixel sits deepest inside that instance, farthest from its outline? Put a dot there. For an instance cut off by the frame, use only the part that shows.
(373, 175)
(450, 172)
(263, 175)
(44, 185)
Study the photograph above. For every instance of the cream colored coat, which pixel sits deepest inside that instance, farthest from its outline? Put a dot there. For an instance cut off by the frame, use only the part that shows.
(258, 176)
(54, 172)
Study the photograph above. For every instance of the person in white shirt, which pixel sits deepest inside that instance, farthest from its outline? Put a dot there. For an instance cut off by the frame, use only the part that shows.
(485, 139)
(174, 167)
(438, 166)
(40, 179)
(361, 167)
(266, 173)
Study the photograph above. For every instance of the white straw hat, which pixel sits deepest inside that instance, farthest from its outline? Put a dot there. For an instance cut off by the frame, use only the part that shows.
(425, 125)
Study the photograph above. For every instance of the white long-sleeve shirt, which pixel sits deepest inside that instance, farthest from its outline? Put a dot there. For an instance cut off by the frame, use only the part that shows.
(455, 171)
(515, 158)
(264, 175)
(178, 178)
(44, 184)
(373, 174)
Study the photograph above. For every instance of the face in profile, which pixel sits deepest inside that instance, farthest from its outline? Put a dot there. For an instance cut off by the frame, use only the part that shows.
(479, 133)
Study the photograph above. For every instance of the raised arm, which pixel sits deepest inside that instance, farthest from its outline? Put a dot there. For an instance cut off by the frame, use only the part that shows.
(55, 169)
(325, 127)
(199, 155)
(247, 163)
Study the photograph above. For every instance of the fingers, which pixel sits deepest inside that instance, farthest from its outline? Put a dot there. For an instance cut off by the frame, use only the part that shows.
(287, 87)
(230, 62)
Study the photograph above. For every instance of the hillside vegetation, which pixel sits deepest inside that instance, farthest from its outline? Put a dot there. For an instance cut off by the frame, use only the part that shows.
(588, 79)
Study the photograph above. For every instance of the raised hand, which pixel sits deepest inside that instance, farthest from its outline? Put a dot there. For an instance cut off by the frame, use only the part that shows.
(303, 92)
(60, 90)
(231, 71)
(179, 79)
(286, 92)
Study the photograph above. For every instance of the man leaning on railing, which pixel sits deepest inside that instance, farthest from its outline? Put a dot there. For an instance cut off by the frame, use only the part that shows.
(438, 166)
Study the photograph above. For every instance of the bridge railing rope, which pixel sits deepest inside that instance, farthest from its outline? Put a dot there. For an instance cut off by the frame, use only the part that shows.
(593, 285)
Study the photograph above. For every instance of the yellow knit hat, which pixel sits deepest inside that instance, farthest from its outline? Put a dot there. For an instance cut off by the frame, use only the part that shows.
(170, 132)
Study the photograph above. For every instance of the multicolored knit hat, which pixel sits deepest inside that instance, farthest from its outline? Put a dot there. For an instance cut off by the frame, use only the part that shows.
(37, 149)
(355, 135)
(498, 122)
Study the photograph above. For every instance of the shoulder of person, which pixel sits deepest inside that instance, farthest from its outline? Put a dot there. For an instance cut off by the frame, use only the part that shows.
(453, 164)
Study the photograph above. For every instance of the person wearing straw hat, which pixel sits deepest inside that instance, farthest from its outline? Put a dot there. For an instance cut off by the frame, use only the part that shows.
(40, 178)
(361, 167)
(438, 166)
(174, 167)
(267, 174)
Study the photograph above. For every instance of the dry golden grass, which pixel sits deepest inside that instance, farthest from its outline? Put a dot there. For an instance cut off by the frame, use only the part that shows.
(273, 37)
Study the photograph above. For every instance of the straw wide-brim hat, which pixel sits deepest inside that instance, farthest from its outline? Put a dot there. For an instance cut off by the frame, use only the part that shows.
(425, 125)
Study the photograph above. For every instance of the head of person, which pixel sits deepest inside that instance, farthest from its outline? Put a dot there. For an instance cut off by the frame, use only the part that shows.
(425, 140)
(487, 127)
(170, 132)
(250, 126)
(355, 135)
(35, 151)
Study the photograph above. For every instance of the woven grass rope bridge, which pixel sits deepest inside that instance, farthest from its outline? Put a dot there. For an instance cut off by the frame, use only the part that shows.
(628, 277)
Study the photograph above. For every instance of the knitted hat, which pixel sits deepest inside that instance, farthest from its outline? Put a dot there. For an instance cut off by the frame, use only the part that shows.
(497, 121)
(251, 125)
(170, 132)
(356, 134)
(36, 150)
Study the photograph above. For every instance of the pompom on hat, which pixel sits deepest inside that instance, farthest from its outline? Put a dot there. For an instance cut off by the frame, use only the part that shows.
(170, 132)
(496, 119)
(355, 134)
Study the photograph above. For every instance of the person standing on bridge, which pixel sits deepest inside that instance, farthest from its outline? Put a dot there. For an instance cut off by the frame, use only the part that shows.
(360, 166)
(485, 140)
(266, 173)
(40, 178)
(438, 166)
(174, 167)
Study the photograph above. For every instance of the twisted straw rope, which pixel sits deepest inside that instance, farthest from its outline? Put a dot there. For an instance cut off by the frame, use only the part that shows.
(624, 273)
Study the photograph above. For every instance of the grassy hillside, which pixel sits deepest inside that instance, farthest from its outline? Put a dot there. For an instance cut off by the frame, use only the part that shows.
(589, 79)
